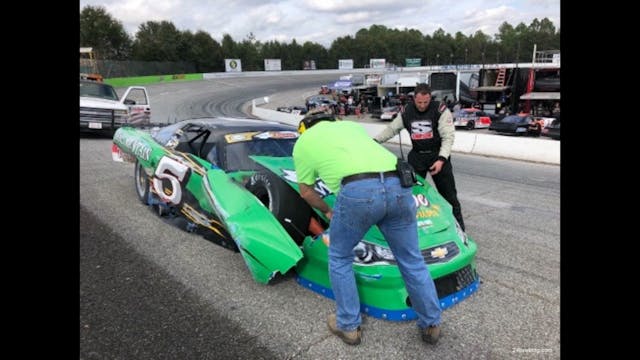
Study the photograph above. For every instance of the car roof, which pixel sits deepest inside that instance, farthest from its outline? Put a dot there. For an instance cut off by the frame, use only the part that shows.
(225, 125)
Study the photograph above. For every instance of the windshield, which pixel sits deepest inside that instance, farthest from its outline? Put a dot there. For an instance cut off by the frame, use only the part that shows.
(238, 153)
(97, 90)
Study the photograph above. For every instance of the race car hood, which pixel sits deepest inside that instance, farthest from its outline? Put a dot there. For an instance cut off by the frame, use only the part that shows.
(430, 205)
(265, 245)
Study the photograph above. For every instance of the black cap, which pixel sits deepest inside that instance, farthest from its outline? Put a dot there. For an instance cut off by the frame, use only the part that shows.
(311, 119)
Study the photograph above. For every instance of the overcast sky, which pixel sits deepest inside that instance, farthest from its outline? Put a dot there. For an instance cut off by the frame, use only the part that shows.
(322, 21)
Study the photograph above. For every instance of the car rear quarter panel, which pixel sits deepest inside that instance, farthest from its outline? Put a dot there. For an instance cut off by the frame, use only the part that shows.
(264, 244)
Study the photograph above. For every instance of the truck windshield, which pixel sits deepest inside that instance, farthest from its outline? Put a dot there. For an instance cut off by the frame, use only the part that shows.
(98, 90)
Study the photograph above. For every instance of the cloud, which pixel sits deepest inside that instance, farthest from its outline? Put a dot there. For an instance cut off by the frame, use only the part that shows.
(323, 21)
(337, 6)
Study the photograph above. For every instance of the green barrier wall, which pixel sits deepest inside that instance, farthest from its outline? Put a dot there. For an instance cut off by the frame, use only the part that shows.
(145, 80)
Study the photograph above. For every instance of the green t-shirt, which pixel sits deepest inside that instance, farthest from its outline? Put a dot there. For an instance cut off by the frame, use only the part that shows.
(332, 150)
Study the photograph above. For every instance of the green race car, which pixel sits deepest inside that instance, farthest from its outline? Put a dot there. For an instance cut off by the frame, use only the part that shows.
(233, 182)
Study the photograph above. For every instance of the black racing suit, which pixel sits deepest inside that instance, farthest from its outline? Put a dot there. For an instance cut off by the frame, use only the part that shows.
(426, 141)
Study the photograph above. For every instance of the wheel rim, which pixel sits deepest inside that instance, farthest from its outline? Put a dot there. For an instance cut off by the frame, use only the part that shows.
(141, 182)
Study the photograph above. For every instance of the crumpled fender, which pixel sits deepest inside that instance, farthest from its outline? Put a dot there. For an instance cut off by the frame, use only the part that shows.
(265, 245)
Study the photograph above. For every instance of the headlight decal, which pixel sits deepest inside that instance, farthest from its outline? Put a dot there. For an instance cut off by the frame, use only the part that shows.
(368, 254)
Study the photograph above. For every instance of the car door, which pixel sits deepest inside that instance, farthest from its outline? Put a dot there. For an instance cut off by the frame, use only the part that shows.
(137, 100)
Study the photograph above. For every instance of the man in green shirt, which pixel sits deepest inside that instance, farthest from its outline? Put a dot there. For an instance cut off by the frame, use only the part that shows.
(368, 192)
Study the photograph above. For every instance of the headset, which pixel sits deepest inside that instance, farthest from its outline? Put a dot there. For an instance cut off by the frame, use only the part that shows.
(309, 121)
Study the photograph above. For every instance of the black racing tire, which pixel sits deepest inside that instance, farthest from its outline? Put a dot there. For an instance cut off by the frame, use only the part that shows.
(283, 202)
(142, 184)
(536, 131)
(471, 125)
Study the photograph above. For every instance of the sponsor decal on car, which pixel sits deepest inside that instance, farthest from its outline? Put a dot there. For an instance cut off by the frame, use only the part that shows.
(137, 147)
(425, 223)
(439, 252)
(421, 200)
(277, 135)
(248, 136)
(427, 213)
(233, 138)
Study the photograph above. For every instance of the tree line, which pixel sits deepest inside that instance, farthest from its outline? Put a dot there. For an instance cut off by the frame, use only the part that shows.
(161, 41)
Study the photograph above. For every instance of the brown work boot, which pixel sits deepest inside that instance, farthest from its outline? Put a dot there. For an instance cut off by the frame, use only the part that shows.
(350, 337)
(430, 334)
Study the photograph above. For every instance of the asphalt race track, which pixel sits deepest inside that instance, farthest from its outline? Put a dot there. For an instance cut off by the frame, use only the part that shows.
(151, 291)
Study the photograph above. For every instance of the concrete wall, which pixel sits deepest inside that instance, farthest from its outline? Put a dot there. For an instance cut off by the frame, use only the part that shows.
(512, 147)
(274, 115)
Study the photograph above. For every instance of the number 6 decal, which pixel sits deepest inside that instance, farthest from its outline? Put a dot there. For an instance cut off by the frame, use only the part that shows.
(174, 172)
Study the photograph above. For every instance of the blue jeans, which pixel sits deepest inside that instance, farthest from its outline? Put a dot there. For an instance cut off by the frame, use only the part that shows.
(360, 205)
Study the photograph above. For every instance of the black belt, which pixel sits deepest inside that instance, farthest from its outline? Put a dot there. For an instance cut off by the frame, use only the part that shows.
(368, 175)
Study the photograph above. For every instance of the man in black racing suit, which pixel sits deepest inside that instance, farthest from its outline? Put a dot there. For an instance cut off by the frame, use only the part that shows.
(430, 126)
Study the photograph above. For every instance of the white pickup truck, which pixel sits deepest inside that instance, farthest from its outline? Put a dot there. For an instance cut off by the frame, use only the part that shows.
(101, 110)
